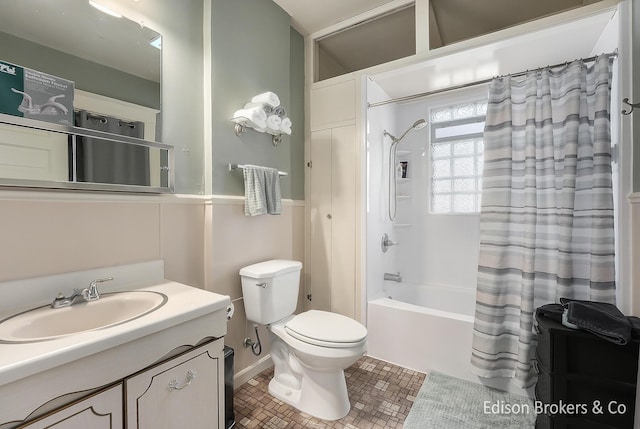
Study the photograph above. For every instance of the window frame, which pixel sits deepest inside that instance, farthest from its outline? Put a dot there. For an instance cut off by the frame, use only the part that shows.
(476, 155)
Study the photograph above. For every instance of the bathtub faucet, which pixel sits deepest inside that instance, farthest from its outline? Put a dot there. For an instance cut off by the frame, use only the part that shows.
(393, 277)
(386, 243)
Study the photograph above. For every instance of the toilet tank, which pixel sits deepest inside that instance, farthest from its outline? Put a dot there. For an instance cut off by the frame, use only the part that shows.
(270, 290)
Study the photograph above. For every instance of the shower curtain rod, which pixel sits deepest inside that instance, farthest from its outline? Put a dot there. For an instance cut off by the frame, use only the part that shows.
(479, 82)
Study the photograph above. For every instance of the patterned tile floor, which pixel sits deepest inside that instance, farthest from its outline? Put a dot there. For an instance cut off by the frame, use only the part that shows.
(381, 396)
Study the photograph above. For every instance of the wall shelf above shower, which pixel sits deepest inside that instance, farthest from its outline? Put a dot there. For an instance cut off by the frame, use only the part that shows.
(401, 225)
(403, 152)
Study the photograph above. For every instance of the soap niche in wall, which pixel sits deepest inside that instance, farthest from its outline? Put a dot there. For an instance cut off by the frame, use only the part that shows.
(265, 115)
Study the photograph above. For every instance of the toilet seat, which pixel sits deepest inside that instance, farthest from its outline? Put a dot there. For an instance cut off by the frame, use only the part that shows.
(322, 328)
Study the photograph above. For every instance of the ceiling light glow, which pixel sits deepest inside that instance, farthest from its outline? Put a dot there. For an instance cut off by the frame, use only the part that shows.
(104, 9)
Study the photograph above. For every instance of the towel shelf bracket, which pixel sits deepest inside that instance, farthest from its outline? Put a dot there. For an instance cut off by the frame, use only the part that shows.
(630, 104)
(241, 128)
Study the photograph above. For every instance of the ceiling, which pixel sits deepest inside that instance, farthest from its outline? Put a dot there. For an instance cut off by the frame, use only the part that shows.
(74, 27)
(455, 19)
(309, 16)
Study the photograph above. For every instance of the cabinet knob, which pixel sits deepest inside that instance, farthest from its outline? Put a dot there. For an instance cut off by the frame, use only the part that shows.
(173, 384)
(329, 216)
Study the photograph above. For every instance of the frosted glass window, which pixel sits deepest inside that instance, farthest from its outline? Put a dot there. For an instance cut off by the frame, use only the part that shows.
(440, 115)
(464, 148)
(464, 185)
(463, 167)
(442, 168)
(441, 150)
(464, 111)
(442, 186)
(453, 112)
(441, 203)
(456, 157)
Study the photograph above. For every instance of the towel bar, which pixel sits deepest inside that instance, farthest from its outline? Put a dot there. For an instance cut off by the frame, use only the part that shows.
(241, 166)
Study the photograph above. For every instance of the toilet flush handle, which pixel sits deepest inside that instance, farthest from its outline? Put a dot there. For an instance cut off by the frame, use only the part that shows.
(262, 285)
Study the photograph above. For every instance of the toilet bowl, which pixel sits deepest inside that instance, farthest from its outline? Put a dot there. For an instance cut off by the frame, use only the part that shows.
(310, 376)
(310, 350)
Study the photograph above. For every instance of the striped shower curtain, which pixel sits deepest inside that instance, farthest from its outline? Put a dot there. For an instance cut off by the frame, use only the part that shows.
(546, 222)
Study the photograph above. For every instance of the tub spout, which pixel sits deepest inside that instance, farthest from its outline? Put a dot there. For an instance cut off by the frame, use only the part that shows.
(393, 277)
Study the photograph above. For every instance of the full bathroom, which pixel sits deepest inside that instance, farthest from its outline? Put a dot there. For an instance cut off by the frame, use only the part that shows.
(353, 301)
(424, 198)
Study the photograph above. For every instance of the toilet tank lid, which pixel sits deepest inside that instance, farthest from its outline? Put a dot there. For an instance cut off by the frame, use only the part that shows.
(270, 268)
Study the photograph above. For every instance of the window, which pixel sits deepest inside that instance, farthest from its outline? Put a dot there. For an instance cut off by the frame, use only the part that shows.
(456, 157)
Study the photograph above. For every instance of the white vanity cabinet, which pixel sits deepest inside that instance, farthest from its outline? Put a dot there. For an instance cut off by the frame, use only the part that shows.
(63, 382)
(102, 410)
(184, 392)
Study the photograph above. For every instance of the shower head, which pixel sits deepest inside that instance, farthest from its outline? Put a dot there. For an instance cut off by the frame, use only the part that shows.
(417, 125)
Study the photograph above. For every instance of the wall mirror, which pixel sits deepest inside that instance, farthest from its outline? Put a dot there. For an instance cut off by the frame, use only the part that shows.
(115, 64)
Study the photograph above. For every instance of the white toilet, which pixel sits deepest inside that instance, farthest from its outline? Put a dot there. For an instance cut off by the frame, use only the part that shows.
(309, 350)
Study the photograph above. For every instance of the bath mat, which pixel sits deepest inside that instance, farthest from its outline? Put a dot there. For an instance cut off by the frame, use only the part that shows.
(445, 402)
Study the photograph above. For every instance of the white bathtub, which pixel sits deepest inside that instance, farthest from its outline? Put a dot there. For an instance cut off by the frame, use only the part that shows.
(427, 328)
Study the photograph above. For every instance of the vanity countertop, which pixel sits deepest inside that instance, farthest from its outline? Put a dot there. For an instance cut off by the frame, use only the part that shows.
(22, 359)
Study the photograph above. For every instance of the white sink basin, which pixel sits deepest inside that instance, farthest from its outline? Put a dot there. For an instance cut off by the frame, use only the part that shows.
(46, 323)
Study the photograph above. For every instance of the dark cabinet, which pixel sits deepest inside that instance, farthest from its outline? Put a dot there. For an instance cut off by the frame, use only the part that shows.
(583, 381)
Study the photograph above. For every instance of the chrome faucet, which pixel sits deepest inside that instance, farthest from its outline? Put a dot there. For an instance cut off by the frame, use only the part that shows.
(386, 243)
(88, 294)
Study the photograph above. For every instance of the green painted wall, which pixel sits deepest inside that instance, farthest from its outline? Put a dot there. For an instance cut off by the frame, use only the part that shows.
(87, 75)
(180, 23)
(253, 51)
(296, 113)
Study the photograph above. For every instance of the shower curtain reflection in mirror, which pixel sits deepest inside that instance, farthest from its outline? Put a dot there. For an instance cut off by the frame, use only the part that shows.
(104, 161)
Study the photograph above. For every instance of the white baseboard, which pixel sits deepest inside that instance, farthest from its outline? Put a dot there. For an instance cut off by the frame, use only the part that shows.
(248, 373)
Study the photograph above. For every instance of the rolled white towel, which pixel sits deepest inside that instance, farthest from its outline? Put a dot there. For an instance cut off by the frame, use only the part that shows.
(273, 124)
(256, 112)
(268, 109)
(280, 111)
(254, 117)
(267, 98)
(285, 126)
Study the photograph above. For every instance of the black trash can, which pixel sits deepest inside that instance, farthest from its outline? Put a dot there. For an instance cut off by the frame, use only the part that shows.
(229, 416)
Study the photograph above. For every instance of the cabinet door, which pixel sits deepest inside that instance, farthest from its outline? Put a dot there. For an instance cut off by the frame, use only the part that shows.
(333, 219)
(320, 221)
(343, 226)
(185, 392)
(100, 411)
(28, 153)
